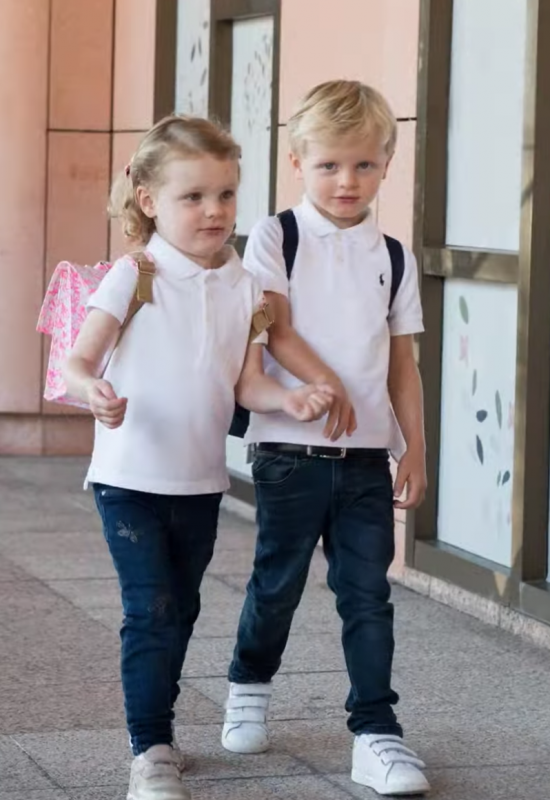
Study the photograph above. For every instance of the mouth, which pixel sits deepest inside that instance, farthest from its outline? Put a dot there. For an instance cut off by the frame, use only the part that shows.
(212, 231)
(347, 199)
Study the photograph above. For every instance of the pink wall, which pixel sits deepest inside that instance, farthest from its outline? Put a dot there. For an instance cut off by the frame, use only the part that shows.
(24, 48)
(78, 74)
(371, 40)
(375, 41)
(81, 65)
(134, 64)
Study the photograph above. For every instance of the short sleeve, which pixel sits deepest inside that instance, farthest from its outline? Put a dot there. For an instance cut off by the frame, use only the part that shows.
(263, 256)
(116, 290)
(405, 317)
(259, 303)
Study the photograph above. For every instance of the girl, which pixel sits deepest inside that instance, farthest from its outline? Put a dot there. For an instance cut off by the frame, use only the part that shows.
(163, 409)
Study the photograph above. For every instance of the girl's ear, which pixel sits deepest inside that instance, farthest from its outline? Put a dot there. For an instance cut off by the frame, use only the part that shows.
(146, 201)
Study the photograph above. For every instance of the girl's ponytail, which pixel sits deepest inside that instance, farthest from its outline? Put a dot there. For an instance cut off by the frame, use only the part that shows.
(123, 205)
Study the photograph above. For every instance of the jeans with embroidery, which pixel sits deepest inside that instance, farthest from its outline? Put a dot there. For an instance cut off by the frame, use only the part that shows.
(161, 546)
(348, 503)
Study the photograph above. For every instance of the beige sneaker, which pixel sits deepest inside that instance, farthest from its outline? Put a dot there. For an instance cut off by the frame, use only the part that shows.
(156, 775)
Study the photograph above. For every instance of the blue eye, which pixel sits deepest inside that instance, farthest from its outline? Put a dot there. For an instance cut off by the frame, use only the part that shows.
(330, 166)
(194, 197)
(364, 165)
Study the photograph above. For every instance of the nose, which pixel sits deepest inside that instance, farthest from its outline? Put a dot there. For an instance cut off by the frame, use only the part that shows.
(213, 209)
(348, 178)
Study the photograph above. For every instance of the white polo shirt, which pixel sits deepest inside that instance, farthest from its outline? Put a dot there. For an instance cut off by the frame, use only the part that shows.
(177, 363)
(339, 295)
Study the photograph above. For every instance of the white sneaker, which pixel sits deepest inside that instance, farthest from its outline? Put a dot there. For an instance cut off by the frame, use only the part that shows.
(245, 728)
(156, 775)
(383, 763)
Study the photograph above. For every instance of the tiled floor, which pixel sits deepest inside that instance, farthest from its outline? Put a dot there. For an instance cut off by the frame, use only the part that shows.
(474, 700)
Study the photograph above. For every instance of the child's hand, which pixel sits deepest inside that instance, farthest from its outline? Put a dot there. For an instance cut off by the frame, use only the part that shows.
(308, 402)
(106, 407)
(411, 474)
(341, 418)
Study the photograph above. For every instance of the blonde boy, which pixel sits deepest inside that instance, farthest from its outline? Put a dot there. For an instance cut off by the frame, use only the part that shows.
(336, 324)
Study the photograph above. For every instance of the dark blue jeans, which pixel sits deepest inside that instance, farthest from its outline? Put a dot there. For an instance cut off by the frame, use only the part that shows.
(349, 504)
(161, 547)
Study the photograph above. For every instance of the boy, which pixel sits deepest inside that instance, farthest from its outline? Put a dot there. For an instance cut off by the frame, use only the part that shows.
(335, 324)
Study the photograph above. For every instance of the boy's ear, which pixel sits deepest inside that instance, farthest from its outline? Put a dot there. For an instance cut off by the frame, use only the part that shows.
(388, 162)
(296, 165)
(146, 201)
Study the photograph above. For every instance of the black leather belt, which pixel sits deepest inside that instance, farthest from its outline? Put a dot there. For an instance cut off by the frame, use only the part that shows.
(318, 452)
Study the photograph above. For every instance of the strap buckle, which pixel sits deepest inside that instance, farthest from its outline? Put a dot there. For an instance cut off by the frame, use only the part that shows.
(146, 273)
(262, 320)
(339, 453)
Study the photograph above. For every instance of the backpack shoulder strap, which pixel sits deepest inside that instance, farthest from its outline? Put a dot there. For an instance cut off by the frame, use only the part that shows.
(144, 288)
(146, 271)
(397, 258)
(290, 238)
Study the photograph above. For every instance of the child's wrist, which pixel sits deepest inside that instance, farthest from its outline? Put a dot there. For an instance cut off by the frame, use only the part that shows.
(326, 377)
(416, 445)
(88, 384)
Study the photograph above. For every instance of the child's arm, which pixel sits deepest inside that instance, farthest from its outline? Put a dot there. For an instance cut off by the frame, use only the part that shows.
(97, 335)
(298, 358)
(260, 393)
(405, 388)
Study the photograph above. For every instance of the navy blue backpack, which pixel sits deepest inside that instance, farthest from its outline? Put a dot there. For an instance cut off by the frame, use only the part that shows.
(241, 418)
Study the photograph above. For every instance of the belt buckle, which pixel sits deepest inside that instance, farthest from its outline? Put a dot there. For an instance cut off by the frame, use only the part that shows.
(338, 455)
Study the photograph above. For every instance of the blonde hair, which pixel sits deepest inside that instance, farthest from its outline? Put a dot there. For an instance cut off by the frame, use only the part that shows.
(339, 108)
(173, 136)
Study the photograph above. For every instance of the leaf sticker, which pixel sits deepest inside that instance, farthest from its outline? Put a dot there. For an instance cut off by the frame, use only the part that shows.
(474, 382)
(498, 405)
(479, 448)
(505, 477)
(464, 312)
(481, 416)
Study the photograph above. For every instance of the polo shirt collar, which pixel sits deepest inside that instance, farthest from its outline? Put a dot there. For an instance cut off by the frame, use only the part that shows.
(171, 260)
(321, 226)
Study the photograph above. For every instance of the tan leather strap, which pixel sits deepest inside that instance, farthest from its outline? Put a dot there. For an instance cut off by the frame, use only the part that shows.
(146, 273)
(144, 288)
(261, 321)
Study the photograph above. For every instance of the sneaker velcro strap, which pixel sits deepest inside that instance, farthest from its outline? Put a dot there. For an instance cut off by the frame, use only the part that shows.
(393, 751)
(246, 714)
(251, 689)
(248, 701)
(404, 759)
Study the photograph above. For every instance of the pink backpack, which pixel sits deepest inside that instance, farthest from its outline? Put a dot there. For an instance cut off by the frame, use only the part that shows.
(64, 310)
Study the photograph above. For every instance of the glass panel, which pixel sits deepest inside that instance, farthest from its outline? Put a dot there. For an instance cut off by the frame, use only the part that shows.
(251, 115)
(477, 418)
(485, 124)
(193, 57)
